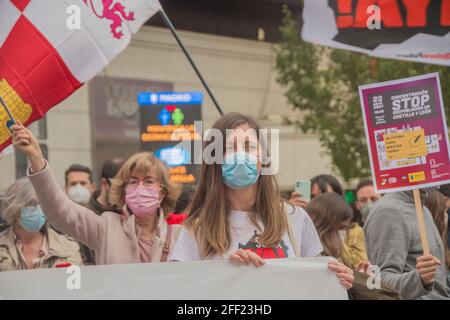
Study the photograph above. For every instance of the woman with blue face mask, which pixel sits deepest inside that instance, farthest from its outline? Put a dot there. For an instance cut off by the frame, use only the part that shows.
(29, 242)
(237, 212)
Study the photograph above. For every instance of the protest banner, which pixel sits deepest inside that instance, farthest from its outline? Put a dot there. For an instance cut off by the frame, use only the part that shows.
(305, 278)
(407, 136)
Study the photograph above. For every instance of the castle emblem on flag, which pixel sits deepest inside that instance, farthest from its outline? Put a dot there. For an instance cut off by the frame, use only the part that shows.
(19, 109)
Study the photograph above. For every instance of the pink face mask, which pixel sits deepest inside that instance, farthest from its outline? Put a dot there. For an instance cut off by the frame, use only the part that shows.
(143, 202)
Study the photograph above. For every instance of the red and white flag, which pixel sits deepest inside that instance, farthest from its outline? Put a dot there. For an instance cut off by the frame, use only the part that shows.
(45, 55)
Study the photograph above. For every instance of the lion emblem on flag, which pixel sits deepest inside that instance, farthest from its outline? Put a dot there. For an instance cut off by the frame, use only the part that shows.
(115, 12)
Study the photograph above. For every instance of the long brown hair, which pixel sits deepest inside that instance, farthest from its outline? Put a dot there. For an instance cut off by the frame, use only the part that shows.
(208, 212)
(328, 211)
(437, 204)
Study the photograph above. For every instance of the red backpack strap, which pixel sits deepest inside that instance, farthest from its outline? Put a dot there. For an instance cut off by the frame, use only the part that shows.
(166, 245)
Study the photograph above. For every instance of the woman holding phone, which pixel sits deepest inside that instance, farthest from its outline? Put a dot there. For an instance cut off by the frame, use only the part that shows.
(237, 213)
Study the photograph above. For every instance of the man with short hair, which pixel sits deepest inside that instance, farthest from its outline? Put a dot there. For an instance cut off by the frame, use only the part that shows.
(100, 199)
(79, 184)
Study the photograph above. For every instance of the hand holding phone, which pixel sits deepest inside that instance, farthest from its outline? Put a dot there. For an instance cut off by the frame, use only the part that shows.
(303, 187)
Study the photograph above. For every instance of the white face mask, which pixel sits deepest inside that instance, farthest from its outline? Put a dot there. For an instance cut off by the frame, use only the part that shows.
(343, 234)
(79, 194)
(366, 209)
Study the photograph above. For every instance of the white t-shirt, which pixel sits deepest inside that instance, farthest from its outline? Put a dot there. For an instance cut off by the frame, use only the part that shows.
(243, 233)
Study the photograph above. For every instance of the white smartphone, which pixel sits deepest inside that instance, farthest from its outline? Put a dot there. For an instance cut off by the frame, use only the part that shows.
(304, 188)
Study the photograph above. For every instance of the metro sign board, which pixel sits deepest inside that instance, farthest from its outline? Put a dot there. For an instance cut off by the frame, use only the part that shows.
(167, 119)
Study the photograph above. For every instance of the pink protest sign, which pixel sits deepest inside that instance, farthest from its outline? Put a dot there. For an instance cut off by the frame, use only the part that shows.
(406, 133)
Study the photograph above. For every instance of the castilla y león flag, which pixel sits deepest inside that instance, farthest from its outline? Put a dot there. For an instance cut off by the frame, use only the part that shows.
(49, 48)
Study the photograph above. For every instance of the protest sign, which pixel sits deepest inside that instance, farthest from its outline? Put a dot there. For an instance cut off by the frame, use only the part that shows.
(406, 133)
(407, 137)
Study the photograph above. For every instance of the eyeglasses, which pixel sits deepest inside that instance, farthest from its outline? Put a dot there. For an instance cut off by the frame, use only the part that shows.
(136, 182)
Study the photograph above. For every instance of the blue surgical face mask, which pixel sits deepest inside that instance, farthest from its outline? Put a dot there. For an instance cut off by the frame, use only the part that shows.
(32, 219)
(240, 170)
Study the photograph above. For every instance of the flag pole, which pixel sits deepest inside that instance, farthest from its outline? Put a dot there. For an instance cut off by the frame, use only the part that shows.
(421, 222)
(188, 56)
(8, 112)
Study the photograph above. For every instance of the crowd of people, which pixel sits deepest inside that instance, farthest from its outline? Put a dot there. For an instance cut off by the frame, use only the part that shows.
(138, 215)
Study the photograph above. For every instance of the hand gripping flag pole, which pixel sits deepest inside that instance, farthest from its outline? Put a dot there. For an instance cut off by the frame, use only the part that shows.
(12, 121)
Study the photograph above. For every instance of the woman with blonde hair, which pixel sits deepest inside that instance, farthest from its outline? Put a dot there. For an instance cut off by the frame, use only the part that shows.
(29, 242)
(237, 213)
(142, 188)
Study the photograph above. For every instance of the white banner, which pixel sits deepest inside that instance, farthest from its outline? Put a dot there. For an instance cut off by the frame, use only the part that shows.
(305, 278)
(406, 30)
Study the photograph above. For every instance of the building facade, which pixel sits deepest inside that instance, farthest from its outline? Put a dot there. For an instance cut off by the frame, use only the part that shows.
(240, 71)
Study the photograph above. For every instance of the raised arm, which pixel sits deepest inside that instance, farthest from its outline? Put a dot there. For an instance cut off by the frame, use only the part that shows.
(65, 215)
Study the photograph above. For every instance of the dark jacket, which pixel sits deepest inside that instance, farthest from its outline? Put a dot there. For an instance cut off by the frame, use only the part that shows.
(97, 207)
